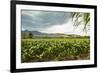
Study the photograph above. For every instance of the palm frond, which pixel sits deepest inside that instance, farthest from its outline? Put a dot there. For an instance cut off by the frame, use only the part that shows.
(81, 19)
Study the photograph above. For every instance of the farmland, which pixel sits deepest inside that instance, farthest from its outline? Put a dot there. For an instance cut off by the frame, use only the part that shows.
(54, 49)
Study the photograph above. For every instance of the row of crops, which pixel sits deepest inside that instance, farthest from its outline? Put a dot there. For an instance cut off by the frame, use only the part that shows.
(40, 50)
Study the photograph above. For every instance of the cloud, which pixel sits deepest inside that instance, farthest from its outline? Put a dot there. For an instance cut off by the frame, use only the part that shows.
(38, 20)
(49, 22)
(65, 28)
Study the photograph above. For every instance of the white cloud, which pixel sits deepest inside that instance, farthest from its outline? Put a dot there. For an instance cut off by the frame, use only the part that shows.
(65, 28)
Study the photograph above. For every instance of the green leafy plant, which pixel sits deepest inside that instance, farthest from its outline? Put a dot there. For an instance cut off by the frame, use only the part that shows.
(40, 50)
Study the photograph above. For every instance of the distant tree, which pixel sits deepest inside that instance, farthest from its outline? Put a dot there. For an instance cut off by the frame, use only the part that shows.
(30, 35)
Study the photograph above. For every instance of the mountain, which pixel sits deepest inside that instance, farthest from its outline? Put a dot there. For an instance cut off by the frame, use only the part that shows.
(41, 34)
(33, 32)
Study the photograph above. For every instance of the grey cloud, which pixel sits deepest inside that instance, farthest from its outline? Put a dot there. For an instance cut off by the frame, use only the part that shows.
(37, 20)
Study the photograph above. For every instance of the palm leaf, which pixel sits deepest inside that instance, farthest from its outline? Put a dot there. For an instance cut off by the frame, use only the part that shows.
(81, 19)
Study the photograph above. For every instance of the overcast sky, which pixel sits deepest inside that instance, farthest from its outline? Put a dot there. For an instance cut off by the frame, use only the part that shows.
(49, 22)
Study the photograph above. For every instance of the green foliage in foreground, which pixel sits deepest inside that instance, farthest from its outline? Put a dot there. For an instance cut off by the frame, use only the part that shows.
(40, 50)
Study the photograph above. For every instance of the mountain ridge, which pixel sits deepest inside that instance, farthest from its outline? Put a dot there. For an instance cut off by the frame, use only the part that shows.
(41, 34)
